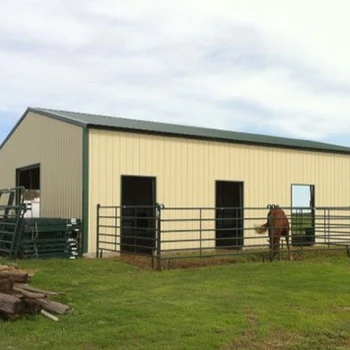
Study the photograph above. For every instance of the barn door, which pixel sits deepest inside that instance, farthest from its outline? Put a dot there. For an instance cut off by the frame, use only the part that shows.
(138, 214)
(229, 214)
(29, 178)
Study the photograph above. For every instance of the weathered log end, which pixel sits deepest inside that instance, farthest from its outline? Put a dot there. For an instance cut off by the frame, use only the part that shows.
(10, 304)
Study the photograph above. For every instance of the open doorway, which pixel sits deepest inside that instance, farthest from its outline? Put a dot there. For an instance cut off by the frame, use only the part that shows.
(138, 221)
(229, 214)
(303, 212)
(29, 178)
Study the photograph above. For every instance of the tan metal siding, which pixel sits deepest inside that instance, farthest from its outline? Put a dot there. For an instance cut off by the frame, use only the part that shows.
(186, 171)
(57, 146)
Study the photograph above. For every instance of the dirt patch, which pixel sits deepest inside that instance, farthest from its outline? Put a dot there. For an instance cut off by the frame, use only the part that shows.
(283, 339)
(249, 340)
(219, 257)
(143, 261)
(175, 263)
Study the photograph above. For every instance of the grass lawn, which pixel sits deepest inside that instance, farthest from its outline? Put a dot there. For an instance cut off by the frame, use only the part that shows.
(280, 305)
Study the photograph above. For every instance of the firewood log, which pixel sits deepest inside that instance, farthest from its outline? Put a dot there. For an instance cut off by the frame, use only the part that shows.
(5, 285)
(31, 306)
(35, 290)
(53, 306)
(14, 277)
(28, 294)
(10, 304)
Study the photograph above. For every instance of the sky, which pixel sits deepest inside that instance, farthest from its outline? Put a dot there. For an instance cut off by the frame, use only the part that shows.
(269, 67)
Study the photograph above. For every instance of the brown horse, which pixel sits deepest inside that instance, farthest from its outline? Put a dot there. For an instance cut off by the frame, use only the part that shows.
(278, 226)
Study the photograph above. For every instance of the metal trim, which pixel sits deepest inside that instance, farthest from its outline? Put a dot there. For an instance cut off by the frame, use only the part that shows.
(85, 191)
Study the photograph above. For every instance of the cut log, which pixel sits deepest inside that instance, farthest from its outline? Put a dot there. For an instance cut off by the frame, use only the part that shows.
(53, 306)
(31, 306)
(10, 304)
(14, 277)
(15, 294)
(16, 270)
(35, 290)
(5, 285)
(29, 294)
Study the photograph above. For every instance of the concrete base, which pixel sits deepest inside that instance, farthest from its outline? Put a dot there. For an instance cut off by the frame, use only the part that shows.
(105, 255)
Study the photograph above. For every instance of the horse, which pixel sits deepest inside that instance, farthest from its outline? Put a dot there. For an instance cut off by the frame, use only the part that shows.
(278, 226)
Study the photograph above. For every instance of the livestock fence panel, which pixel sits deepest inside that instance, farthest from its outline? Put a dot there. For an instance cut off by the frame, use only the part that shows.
(174, 233)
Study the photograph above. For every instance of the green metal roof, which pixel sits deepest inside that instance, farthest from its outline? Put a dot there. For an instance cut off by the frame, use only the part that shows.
(131, 125)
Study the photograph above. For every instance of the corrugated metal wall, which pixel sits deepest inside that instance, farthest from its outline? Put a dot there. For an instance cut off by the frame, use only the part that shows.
(186, 171)
(57, 146)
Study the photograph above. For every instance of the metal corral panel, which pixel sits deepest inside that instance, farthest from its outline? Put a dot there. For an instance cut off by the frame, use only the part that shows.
(186, 170)
(57, 146)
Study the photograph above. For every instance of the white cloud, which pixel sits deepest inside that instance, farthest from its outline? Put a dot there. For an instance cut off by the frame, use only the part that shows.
(267, 66)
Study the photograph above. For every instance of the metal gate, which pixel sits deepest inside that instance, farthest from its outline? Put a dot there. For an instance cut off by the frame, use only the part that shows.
(128, 229)
(12, 210)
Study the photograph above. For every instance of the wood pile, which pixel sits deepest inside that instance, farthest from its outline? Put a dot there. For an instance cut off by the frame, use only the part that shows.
(17, 297)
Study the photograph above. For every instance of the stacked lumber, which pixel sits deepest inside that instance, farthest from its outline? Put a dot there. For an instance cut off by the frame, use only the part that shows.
(17, 297)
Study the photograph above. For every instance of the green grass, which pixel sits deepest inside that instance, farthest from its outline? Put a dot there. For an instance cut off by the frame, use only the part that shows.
(280, 305)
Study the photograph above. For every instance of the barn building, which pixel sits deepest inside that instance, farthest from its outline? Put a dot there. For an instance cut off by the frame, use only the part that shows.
(73, 161)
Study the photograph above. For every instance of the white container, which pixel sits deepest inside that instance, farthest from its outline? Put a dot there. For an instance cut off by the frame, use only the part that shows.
(33, 208)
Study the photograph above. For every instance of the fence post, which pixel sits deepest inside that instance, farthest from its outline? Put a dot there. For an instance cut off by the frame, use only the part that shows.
(116, 228)
(328, 227)
(200, 232)
(158, 238)
(97, 229)
(271, 232)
